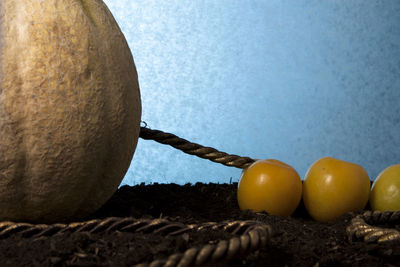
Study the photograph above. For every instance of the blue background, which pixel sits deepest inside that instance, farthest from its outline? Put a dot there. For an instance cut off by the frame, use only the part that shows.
(291, 80)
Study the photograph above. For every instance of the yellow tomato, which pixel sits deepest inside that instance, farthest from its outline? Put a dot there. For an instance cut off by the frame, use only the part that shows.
(333, 187)
(270, 185)
(385, 194)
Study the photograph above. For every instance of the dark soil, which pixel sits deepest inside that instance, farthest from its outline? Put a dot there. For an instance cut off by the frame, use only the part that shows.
(297, 240)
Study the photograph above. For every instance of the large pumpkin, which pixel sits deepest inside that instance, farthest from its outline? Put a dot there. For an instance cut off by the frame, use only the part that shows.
(69, 108)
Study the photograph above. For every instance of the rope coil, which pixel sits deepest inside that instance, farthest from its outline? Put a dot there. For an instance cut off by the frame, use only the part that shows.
(254, 235)
(257, 237)
(360, 227)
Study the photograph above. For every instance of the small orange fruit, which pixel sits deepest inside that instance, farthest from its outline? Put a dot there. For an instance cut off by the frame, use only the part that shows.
(333, 187)
(385, 194)
(270, 185)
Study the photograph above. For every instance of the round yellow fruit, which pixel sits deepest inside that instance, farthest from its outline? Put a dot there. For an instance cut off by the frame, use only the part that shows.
(270, 185)
(333, 187)
(385, 193)
(69, 108)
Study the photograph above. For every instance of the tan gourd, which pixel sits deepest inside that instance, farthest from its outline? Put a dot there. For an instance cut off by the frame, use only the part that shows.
(69, 108)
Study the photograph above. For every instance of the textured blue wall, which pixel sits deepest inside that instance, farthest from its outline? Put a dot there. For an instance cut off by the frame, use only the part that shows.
(291, 80)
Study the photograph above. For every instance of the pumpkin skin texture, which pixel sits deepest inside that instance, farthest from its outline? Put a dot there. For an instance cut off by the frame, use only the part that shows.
(70, 109)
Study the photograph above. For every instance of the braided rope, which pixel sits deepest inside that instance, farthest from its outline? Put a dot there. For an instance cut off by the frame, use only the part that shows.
(360, 227)
(195, 149)
(109, 224)
(254, 235)
(255, 238)
(121, 224)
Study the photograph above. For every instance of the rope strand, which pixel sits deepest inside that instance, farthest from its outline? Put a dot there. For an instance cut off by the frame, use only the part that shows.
(248, 236)
(196, 149)
(361, 227)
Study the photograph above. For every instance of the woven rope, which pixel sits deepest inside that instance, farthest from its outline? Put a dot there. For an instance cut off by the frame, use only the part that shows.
(255, 238)
(254, 235)
(195, 149)
(93, 226)
(360, 227)
(124, 224)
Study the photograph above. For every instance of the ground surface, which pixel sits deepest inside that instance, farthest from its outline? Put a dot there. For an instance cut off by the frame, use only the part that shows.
(297, 240)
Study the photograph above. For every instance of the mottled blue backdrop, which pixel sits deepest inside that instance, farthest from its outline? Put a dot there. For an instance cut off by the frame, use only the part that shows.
(291, 80)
